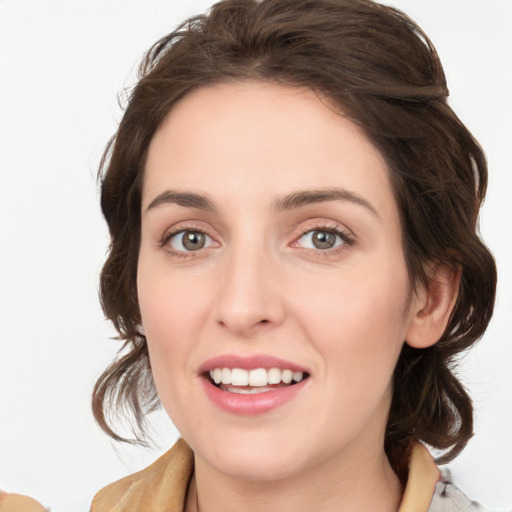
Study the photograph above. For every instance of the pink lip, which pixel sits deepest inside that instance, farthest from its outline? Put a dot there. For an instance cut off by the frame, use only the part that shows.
(251, 405)
(249, 363)
(254, 404)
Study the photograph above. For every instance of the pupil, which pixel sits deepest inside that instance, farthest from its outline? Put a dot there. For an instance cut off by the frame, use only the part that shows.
(323, 239)
(192, 240)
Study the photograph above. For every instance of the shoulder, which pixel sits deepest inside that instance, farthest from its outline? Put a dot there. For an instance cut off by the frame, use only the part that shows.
(430, 490)
(154, 488)
(448, 498)
(19, 503)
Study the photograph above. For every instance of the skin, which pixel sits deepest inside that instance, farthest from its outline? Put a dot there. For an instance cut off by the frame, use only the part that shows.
(260, 286)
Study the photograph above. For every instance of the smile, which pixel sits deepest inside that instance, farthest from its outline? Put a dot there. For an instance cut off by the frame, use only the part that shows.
(251, 385)
(258, 380)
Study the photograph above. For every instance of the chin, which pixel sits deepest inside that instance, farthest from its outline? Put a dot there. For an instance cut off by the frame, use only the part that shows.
(256, 467)
(253, 456)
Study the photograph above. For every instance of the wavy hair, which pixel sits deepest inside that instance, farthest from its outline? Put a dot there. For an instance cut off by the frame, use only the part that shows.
(380, 68)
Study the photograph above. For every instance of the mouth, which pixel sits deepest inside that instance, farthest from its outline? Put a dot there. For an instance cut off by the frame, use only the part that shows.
(254, 381)
(253, 385)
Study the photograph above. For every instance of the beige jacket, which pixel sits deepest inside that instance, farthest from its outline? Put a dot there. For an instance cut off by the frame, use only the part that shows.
(162, 487)
(19, 503)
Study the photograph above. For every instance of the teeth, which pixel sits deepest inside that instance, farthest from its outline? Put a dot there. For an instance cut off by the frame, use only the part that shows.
(274, 376)
(239, 377)
(225, 376)
(297, 376)
(248, 390)
(287, 376)
(258, 377)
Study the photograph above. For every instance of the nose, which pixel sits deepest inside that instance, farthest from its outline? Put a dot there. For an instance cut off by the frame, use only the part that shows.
(249, 294)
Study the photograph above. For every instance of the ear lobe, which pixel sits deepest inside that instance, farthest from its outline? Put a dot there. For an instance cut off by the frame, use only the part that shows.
(433, 306)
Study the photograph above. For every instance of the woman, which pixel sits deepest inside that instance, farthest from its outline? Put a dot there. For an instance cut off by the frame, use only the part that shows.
(294, 262)
(290, 198)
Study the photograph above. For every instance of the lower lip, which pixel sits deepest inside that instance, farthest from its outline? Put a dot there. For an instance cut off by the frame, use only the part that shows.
(253, 404)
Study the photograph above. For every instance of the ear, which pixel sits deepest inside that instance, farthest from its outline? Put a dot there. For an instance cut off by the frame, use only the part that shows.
(432, 306)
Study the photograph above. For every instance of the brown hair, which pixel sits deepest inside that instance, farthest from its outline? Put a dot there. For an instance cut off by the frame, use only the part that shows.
(380, 68)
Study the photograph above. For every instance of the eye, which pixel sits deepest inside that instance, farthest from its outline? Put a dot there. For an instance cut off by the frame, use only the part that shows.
(322, 239)
(188, 240)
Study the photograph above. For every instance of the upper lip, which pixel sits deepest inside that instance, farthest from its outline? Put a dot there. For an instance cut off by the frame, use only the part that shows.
(249, 363)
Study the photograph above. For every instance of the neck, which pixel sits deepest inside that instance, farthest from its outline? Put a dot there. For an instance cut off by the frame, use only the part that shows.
(349, 482)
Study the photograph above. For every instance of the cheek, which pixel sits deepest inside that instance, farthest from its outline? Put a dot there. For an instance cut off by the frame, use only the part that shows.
(170, 301)
(358, 322)
(169, 309)
(167, 325)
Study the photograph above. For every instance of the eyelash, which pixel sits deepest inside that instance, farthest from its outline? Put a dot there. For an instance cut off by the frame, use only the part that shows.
(166, 239)
(347, 240)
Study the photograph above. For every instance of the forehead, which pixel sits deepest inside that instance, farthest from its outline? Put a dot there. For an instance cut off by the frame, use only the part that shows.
(262, 140)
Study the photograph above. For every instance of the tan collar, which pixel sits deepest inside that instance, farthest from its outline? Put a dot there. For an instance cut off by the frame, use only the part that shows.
(162, 487)
(421, 483)
(19, 503)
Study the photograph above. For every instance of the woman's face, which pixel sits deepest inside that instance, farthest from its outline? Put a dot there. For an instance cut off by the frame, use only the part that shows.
(271, 250)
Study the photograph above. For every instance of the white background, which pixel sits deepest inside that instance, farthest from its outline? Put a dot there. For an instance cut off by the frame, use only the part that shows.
(62, 64)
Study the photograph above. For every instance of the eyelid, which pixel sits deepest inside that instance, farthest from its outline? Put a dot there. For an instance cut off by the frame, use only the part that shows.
(345, 234)
(181, 233)
(302, 229)
(183, 227)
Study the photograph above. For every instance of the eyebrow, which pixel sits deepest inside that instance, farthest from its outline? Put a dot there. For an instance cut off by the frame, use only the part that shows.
(306, 197)
(187, 199)
(291, 201)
